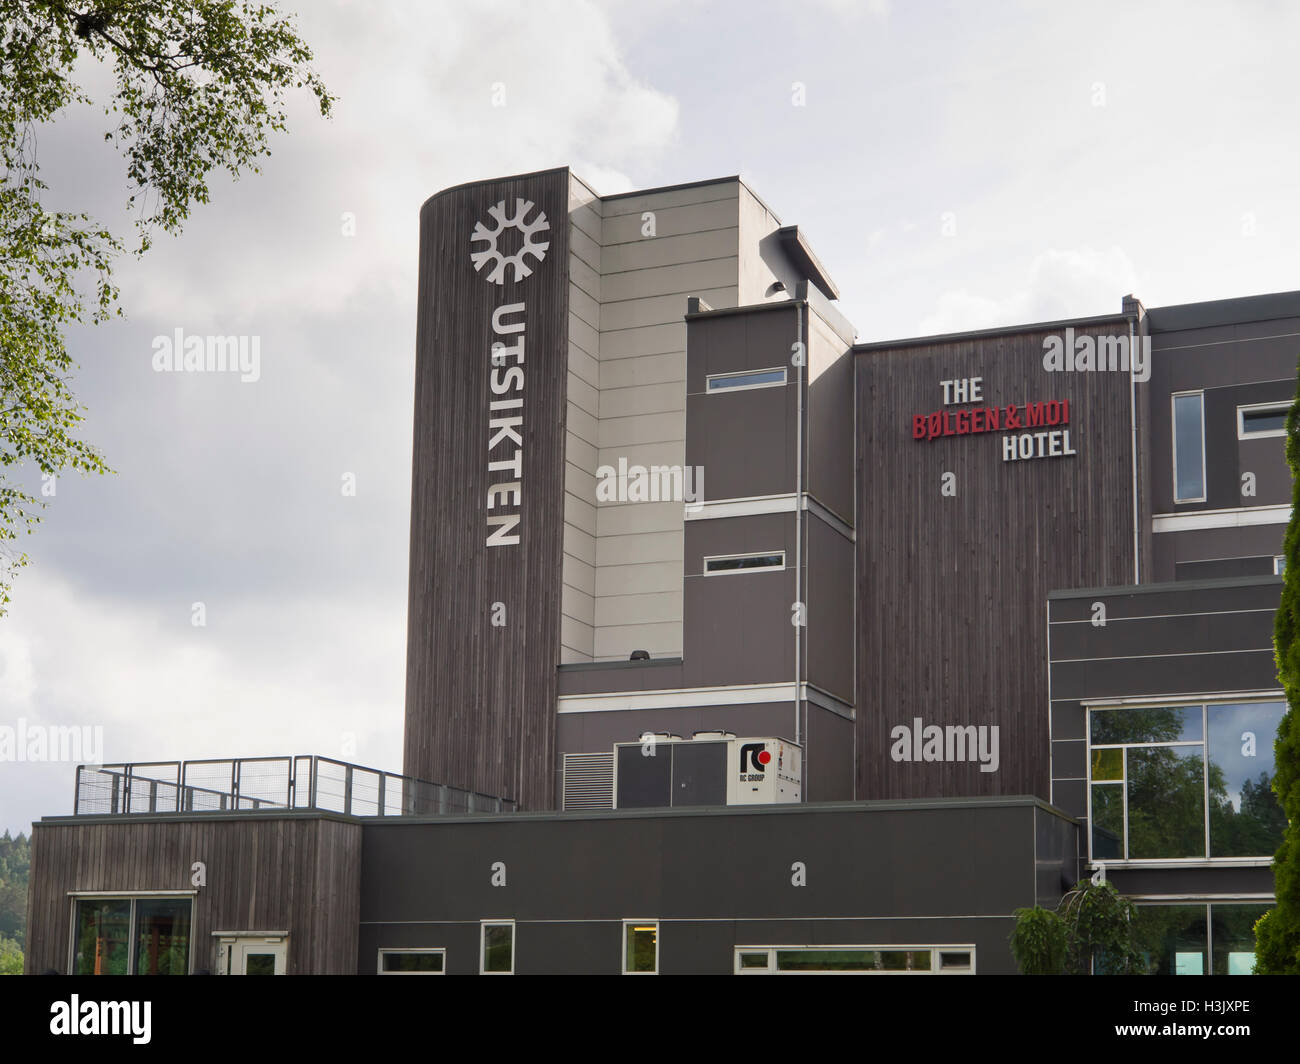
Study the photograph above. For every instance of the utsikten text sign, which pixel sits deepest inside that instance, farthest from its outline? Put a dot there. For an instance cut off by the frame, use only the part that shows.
(1033, 430)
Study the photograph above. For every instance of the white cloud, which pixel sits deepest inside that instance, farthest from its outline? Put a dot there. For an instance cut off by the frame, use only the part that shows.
(298, 678)
(1071, 283)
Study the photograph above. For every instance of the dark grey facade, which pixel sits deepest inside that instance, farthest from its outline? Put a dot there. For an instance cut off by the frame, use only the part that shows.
(1156, 649)
(715, 881)
(1015, 615)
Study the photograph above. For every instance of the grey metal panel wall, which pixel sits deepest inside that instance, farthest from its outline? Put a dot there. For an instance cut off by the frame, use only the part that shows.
(744, 440)
(1246, 363)
(738, 627)
(1214, 637)
(299, 874)
(712, 880)
(480, 699)
(1196, 545)
(950, 594)
(830, 454)
(828, 591)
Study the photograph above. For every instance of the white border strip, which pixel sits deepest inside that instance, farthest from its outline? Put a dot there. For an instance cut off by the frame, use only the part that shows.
(699, 697)
(1239, 517)
(1228, 697)
(765, 504)
(757, 504)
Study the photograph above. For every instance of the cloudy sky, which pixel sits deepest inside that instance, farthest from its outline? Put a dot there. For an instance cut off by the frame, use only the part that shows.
(955, 166)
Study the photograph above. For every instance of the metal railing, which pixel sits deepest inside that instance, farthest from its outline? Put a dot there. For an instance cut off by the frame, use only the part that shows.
(307, 782)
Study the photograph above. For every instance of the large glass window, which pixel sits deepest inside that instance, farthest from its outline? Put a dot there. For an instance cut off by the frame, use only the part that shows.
(1198, 939)
(640, 946)
(1184, 781)
(1246, 819)
(103, 937)
(1232, 933)
(162, 936)
(1189, 447)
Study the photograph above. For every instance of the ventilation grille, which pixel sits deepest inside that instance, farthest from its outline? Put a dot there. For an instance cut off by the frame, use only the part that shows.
(589, 781)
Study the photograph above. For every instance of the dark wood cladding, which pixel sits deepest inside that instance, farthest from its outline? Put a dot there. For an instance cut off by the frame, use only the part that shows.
(952, 591)
(295, 874)
(480, 700)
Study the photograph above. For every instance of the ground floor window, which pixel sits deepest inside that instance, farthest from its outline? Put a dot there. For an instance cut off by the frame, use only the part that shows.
(640, 947)
(131, 936)
(1215, 938)
(855, 960)
(497, 947)
(412, 961)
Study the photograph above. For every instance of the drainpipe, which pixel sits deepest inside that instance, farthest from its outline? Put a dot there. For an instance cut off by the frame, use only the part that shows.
(798, 537)
(1132, 417)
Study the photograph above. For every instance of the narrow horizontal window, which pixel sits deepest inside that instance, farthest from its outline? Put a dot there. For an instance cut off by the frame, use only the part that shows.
(1267, 419)
(760, 378)
(412, 961)
(744, 563)
(854, 960)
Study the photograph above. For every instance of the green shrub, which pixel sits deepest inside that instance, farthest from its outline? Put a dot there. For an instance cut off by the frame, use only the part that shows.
(1277, 934)
(1090, 932)
(1039, 942)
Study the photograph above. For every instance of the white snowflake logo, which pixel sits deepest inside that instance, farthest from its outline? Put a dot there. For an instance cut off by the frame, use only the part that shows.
(492, 254)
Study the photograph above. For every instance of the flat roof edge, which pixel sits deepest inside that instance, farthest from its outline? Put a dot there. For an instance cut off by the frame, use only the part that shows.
(882, 805)
(1002, 330)
(1166, 587)
(664, 188)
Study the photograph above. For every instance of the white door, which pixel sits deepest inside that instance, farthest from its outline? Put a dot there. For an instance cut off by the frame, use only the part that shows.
(251, 956)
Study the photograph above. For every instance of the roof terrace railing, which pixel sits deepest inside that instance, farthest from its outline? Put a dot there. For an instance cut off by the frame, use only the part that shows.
(306, 782)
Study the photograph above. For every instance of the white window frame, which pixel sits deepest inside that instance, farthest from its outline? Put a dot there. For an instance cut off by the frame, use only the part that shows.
(1173, 440)
(482, 944)
(711, 390)
(1279, 564)
(627, 925)
(133, 896)
(935, 954)
(414, 949)
(1242, 434)
(1178, 702)
(740, 572)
